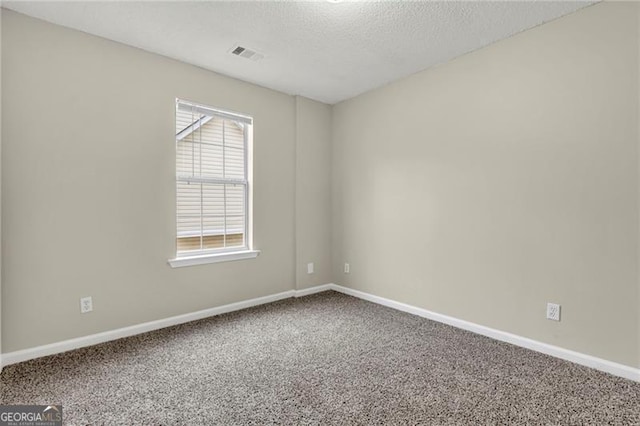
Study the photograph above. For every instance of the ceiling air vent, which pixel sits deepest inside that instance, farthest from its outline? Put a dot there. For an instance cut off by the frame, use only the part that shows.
(244, 52)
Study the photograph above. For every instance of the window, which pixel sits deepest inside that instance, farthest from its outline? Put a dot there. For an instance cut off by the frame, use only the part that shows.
(212, 182)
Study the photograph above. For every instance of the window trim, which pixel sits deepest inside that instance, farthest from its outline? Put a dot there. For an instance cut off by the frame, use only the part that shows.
(226, 254)
(203, 259)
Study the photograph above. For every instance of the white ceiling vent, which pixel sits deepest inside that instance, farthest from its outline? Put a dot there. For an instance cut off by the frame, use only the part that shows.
(247, 53)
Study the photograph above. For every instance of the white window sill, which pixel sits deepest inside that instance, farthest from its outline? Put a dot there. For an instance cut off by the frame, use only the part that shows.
(203, 259)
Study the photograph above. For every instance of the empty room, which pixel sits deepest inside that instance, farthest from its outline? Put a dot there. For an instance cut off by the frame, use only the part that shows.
(320, 212)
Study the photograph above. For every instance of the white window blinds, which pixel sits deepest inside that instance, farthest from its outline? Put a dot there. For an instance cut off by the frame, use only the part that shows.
(211, 179)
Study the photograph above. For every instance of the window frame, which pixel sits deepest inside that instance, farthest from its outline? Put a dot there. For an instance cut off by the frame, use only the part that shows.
(214, 255)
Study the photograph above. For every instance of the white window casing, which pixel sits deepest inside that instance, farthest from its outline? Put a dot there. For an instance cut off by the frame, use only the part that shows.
(213, 185)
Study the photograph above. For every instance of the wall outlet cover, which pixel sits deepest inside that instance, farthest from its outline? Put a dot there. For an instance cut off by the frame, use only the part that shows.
(553, 311)
(86, 305)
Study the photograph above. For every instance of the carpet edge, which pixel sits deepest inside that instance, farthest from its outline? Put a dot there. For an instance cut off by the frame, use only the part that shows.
(119, 333)
(590, 361)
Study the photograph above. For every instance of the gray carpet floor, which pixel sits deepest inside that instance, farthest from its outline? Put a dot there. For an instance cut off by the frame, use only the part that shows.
(321, 359)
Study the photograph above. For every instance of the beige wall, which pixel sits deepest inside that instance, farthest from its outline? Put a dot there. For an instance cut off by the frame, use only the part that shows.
(89, 193)
(638, 87)
(487, 186)
(313, 192)
(0, 186)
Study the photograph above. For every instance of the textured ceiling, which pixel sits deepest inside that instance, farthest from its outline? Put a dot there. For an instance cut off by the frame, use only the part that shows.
(322, 50)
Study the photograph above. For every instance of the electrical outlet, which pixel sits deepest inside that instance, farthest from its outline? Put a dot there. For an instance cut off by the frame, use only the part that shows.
(553, 311)
(310, 268)
(346, 268)
(86, 305)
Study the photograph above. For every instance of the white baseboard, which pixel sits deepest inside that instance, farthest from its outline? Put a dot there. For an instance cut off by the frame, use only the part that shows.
(313, 290)
(80, 342)
(610, 367)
